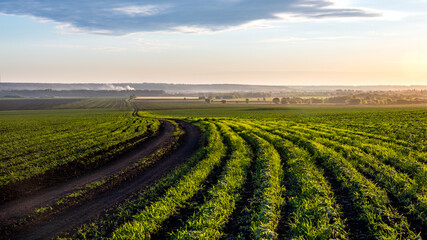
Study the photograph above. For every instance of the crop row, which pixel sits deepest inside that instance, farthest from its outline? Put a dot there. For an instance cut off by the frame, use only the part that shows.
(391, 151)
(149, 220)
(267, 200)
(407, 127)
(103, 226)
(372, 202)
(214, 213)
(409, 193)
(314, 211)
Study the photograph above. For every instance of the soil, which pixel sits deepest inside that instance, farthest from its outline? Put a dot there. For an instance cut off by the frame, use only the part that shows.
(78, 215)
(239, 218)
(356, 228)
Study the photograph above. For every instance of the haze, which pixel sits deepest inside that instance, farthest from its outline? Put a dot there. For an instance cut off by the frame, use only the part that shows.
(296, 42)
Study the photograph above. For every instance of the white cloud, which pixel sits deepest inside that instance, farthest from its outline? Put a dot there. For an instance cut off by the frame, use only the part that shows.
(146, 10)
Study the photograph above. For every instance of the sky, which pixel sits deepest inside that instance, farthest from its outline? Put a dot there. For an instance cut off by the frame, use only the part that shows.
(269, 42)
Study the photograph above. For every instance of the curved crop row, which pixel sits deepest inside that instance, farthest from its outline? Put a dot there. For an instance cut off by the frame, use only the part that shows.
(382, 150)
(103, 226)
(373, 204)
(68, 158)
(315, 213)
(60, 150)
(412, 152)
(149, 220)
(407, 128)
(400, 185)
(213, 214)
(268, 191)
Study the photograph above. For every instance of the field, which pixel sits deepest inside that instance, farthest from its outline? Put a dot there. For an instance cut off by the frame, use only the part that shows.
(174, 170)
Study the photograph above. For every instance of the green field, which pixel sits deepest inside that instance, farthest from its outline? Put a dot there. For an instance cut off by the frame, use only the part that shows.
(37, 145)
(262, 172)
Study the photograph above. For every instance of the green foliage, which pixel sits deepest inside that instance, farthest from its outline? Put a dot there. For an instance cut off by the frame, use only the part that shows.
(267, 199)
(315, 213)
(212, 216)
(52, 139)
(149, 220)
(372, 202)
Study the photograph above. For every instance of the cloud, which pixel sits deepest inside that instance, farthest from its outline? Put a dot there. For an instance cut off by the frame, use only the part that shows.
(146, 10)
(111, 17)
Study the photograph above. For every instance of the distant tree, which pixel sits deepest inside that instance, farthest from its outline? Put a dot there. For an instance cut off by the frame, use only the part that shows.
(316, 100)
(276, 100)
(223, 101)
(247, 100)
(354, 101)
(208, 100)
(284, 100)
(263, 98)
(202, 98)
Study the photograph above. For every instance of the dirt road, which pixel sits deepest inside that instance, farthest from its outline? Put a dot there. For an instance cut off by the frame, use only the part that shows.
(78, 215)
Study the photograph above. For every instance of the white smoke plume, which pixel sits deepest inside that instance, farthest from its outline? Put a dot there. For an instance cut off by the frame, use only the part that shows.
(119, 88)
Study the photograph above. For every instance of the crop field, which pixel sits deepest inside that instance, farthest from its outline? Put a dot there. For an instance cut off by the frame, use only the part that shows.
(236, 172)
(50, 144)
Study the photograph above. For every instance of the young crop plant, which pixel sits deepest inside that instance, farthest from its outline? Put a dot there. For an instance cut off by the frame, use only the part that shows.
(384, 151)
(212, 215)
(407, 164)
(103, 226)
(149, 220)
(383, 221)
(406, 190)
(315, 213)
(400, 185)
(267, 199)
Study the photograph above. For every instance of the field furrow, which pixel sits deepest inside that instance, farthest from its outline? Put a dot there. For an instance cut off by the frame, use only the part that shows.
(149, 220)
(371, 202)
(211, 217)
(314, 211)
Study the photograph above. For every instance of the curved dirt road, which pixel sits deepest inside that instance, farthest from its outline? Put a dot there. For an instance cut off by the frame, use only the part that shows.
(26, 205)
(78, 215)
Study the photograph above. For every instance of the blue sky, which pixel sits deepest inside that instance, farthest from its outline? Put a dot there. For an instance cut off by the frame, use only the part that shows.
(293, 42)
